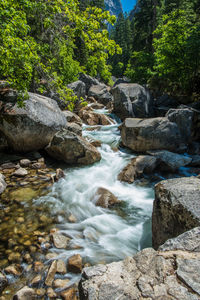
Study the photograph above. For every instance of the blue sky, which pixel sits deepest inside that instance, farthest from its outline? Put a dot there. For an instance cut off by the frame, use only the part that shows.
(128, 4)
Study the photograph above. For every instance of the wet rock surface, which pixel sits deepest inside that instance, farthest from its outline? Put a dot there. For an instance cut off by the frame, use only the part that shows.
(105, 198)
(72, 149)
(150, 274)
(176, 208)
(90, 117)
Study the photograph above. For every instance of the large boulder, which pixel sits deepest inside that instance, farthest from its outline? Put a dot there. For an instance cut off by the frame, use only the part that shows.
(142, 135)
(163, 103)
(132, 100)
(183, 117)
(170, 161)
(72, 149)
(79, 88)
(100, 93)
(168, 274)
(31, 127)
(176, 208)
(137, 167)
(88, 80)
(72, 117)
(3, 184)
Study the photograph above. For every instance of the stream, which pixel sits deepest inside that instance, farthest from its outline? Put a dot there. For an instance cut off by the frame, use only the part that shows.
(102, 235)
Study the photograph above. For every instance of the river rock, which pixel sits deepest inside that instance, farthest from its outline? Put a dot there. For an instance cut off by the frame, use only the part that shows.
(60, 283)
(3, 282)
(142, 135)
(3, 184)
(74, 264)
(51, 273)
(176, 208)
(100, 93)
(195, 161)
(136, 168)
(132, 100)
(14, 269)
(92, 118)
(74, 127)
(184, 119)
(147, 275)
(24, 163)
(72, 149)
(170, 161)
(21, 172)
(104, 198)
(187, 241)
(33, 126)
(88, 80)
(60, 241)
(61, 267)
(79, 88)
(25, 293)
(163, 103)
(51, 294)
(72, 117)
(69, 294)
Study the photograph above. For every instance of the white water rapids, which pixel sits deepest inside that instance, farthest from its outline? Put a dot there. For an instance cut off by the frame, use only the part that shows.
(104, 235)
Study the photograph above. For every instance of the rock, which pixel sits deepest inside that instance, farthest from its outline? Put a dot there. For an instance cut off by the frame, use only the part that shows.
(121, 80)
(195, 161)
(79, 88)
(61, 267)
(146, 275)
(24, 163)
(100, 93)
(40, 292)
(51, 294)
(3, 142)
(188, 241)
(25, 293)
(3, 282)
(38, 165)
(74, 264)
(33, 126)
(21, 172)
(104, 198)
(36, 280)
(72, 219)
(38, 266)
(132, 100)
(8, 165)
(96, 144)
(15, 257)
(60, 241)
(3, 184)
(170, 161)
(92, 118)
(72, 117)
(142, 135)
(14, 270)
(136, 168)
(74, 127)
(163, 104)
(51, 273)
(69, 294)
(72, 149)
(184, 120)
(88, 80)
(60, 283)
(59, 174)
(96, 106)
(176, 208)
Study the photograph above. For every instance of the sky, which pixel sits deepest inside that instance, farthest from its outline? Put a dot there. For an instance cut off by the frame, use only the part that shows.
(128, 5)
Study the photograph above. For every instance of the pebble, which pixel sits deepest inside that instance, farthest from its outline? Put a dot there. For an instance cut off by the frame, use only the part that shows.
(69, 294)
(61, 267)
(21, 172)
(38, 266)
(74, 264)
(51, 273)
(50, 293)
(36, 280)
(25, 162)
(60, 241)
(14, 270)
(60, 283)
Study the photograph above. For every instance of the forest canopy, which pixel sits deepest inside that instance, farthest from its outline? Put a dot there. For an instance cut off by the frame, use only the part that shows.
(53, 41)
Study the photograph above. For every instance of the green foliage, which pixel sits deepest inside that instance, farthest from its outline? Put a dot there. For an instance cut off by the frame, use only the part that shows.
(38, 42)
(177, 52)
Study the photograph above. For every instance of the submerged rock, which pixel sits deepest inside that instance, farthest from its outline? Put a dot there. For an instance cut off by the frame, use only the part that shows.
(72, 149)
(132, 100)
(167, 274)
(33, 126)
(136, 168)
(25, 293)
(142, 135)
(105, 198)
(176, 208)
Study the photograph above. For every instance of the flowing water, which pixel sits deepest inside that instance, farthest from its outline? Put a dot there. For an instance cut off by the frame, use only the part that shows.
(102, 235)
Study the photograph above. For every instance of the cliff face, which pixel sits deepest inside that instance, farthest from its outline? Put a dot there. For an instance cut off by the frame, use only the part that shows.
(114, 6)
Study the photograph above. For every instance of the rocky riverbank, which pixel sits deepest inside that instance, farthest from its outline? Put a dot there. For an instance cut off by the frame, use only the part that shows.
(163, 143)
